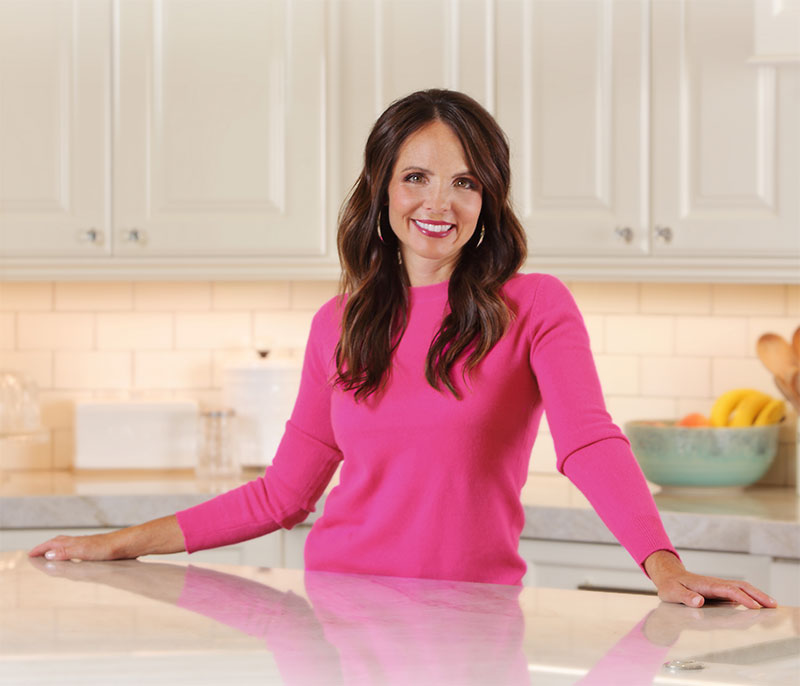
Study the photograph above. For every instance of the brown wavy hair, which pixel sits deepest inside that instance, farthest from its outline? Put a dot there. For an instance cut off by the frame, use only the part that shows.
(376, 284)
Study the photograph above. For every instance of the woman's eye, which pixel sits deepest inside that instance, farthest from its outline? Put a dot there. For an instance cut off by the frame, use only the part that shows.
(466, 183)
(414, 178)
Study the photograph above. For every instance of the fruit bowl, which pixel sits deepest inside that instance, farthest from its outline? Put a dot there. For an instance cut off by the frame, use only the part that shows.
(702, 457)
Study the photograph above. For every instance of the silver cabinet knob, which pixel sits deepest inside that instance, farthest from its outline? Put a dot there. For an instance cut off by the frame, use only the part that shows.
(134, 236)
(90, 236)
(663, 233)
(624, 233)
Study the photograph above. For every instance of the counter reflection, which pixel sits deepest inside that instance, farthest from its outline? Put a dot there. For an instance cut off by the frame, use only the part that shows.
(365, 630)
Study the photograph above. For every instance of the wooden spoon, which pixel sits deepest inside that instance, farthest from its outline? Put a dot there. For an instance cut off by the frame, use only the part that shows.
(778, 356)
(790, 391)
(796, 342)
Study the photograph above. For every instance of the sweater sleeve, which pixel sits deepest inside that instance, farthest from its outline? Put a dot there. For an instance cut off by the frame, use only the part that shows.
(306, 459)
(591, 450)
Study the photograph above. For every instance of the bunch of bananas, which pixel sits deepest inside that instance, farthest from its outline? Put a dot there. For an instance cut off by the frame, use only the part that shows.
(746, 407)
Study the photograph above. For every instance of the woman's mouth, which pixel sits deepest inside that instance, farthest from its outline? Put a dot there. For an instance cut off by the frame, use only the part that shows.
(434, 229)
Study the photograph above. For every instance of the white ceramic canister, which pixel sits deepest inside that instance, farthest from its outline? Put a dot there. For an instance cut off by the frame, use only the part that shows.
(262, 394)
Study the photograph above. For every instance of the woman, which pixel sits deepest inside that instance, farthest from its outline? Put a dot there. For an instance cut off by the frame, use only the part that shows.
(427, 381)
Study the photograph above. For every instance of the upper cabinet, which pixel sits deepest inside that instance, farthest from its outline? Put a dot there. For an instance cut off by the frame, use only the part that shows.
(642, 132)
(183, 128)
(54, 128)
(219, 129)
(218, 138)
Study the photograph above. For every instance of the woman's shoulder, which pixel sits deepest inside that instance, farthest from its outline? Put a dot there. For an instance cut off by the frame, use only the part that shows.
(530, 288)
(327, 319)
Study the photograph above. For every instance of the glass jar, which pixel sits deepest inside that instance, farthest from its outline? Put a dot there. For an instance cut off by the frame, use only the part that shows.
(216, 454)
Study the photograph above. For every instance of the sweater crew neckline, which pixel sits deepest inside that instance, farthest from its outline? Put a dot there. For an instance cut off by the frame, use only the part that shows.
(435, 291)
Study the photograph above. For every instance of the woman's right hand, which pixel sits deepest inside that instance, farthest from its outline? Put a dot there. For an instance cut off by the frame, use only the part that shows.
(94, 547)
(159, 536)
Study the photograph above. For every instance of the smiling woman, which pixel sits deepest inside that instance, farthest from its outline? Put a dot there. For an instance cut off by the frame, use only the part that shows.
(427, 380)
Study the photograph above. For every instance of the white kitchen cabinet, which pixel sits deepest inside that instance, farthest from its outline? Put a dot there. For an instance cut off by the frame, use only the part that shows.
(207, 115)
(644, 142)
(219, 137)
(55, 104)
(777, 31)
(572, 99)
(725, 137)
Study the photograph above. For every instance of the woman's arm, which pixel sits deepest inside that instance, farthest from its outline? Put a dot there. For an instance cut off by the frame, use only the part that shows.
(161, 535)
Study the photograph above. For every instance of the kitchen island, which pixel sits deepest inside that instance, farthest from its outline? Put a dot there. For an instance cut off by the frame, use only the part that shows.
(752, 534)
(132, 622)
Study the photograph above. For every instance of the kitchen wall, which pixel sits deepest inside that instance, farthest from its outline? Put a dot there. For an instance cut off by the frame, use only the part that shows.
(662, 350)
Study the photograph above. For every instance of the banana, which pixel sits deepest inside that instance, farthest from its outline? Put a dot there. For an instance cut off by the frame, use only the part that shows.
(772, 413)
(747, 409)
(726, 403)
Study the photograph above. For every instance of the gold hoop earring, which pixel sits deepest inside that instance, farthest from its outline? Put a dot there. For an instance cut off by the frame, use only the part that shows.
(379, 228)
(480, 240)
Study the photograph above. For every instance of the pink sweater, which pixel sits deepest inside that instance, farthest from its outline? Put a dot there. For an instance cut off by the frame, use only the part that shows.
(430, 485)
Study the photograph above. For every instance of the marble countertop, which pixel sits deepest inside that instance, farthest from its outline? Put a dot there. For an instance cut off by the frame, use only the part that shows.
(143, 621)
(763, 521)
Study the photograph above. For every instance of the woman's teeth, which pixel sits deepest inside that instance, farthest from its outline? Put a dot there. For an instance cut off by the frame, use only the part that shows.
(438, 229)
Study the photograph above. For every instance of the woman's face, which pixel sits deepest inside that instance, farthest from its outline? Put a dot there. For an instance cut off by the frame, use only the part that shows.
(434, 203)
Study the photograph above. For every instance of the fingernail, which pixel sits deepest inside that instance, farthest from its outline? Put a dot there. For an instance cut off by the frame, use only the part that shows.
(50, 555)
(696, 601)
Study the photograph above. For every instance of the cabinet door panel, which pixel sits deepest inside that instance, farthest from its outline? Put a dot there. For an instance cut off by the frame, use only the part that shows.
(219, 136)
(722, 184)
(54, 95)
(569, 97)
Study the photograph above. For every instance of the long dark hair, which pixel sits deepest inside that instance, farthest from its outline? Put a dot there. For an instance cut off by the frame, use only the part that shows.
(375, 313)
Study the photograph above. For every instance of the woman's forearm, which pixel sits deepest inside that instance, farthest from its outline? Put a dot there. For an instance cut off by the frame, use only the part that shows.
(157, 536)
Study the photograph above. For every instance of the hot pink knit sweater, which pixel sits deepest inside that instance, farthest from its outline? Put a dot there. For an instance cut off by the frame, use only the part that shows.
(430, 485)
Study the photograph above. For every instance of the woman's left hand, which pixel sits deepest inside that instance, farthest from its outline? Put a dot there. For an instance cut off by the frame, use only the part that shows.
(676, 585)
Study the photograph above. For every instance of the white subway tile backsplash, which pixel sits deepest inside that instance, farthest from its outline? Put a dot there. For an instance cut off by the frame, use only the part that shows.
(711, 336)
(675, 298)
(55, 331)
(58, 407)
(749, 299)
(209, 330)
(93, 297)
(135, 331)
(179, 369)
(619, 374)
(595, 327)
(783, 326)
(629, 408)
(640, 335)
(91, 370)
(676, 376)
(172, 296)
(25, 297)
(282, 329)
(662, 350)
(8, 330)
(606, 297)
(728, 373)
(793, 301)
(63, 448)
(247, 295)
(311, 295)
(37, 364)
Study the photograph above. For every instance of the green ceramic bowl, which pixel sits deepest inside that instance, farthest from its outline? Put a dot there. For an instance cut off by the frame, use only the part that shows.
(705, 457)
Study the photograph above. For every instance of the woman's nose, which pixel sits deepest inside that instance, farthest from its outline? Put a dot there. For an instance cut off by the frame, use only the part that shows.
(438, 198)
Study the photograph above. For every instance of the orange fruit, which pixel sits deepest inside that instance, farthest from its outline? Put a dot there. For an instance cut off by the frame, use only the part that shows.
(694, 419)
